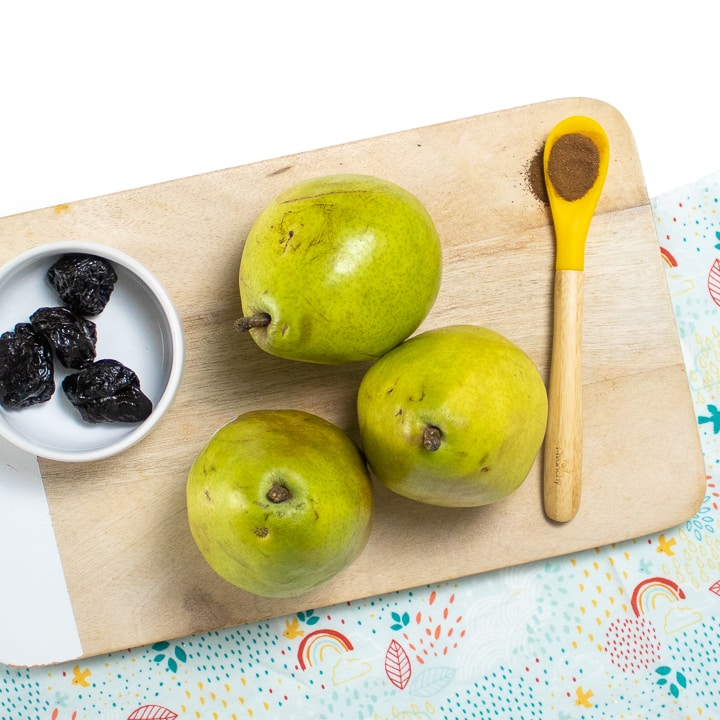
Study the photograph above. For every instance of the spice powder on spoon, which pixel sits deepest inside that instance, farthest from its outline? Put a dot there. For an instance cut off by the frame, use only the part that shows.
(573, 165)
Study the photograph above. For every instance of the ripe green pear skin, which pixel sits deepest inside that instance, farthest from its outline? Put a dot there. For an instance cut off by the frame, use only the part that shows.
(346, 266)
(285, 547)
(484, 400)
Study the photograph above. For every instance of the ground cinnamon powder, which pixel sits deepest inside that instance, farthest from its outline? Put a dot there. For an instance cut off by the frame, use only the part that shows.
(535, 176)
(573, 165)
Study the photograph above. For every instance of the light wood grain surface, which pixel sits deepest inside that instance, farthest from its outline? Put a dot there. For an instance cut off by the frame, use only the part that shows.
(133, 572)
(562, 456)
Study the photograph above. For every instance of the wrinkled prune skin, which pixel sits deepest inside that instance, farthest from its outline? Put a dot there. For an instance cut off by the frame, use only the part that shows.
(26, 368)
(107, 391)
(83, 282)
(74, 338)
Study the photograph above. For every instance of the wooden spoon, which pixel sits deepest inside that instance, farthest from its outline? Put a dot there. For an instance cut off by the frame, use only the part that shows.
(575, 163)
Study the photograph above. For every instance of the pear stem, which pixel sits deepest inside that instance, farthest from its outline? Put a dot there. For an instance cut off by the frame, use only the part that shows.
(431, 438)
(278, 494)
(260, 320)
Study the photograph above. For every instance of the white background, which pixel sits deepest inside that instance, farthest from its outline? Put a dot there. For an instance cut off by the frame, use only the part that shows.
(98, 97)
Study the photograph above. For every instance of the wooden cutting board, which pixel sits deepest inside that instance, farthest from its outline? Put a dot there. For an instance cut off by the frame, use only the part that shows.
(133, 573)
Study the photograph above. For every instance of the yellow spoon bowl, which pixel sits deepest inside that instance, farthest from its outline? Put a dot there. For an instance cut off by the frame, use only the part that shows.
(572, 218)
(574, 179)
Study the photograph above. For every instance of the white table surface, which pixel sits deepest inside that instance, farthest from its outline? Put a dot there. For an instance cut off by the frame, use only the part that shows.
(99, 98)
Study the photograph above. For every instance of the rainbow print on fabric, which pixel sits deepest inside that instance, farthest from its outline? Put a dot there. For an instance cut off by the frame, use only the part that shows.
(668, 257)
(648, 593)
(316, 645)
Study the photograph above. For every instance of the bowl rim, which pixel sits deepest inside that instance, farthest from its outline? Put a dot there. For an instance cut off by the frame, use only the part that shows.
(177, 346)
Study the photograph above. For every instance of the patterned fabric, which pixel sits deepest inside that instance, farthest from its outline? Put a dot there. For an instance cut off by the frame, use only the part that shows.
(627, 631)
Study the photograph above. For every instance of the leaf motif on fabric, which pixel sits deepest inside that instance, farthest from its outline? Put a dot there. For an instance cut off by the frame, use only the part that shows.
(432, 681)
(152, 712)
(172, 662)
(397, 665)
(713, 281)
(400, 621)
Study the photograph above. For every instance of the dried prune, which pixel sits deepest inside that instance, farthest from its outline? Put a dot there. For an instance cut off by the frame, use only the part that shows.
(107, 391)
(26, 368)
(74, 338)
(83, 282)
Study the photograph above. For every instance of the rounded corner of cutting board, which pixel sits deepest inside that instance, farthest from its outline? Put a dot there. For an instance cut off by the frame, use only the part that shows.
(607, 114)
(700, 487)
(579, 105)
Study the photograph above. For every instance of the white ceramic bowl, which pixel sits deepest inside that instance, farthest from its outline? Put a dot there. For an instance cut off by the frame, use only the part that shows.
(139, 327)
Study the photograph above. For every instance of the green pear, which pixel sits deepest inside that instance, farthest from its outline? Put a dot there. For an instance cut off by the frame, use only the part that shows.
(339, 269)
(279, 501)
(453, 417)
